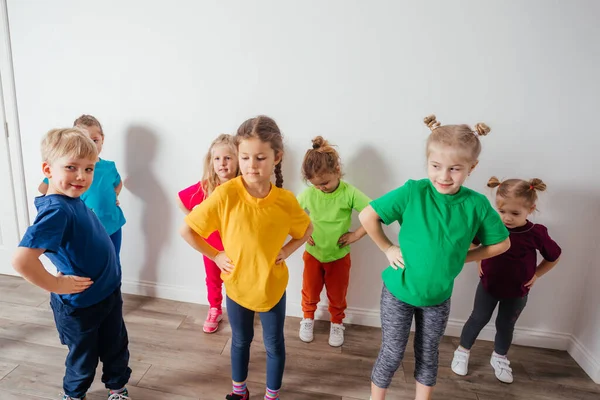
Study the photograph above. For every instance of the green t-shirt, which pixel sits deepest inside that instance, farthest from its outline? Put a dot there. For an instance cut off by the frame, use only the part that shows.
(435, 235)
(331, 215)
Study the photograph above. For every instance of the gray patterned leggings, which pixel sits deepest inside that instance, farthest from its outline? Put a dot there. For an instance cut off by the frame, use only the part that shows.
(396, 319)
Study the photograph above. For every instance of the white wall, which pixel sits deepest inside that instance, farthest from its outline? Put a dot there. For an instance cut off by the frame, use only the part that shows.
(164, 80)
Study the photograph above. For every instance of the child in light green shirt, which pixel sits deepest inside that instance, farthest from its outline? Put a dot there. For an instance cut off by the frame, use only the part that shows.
(330, 202)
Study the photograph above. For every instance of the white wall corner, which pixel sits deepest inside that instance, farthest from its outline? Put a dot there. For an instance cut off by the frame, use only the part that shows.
(585, 359)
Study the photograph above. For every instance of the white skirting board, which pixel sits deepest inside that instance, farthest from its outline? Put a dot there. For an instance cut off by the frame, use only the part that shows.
(522, 336)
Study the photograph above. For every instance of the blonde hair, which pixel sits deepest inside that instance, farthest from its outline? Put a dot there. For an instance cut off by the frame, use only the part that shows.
(461, 137)
(87, 121)
(518, 189)
(210, 179)
(68, 142)
(322, 158)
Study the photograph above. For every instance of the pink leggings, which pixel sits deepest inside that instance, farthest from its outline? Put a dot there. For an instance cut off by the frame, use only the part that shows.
(214, 283)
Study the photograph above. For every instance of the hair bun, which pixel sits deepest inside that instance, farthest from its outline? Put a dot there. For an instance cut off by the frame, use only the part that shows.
(318, 142)
(493, 182)
(431, 122)
(482, 129)
(537, 185)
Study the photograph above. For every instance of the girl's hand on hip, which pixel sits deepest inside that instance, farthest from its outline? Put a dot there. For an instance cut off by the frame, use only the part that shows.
(394, 256)
(224, 263)
(281, 256)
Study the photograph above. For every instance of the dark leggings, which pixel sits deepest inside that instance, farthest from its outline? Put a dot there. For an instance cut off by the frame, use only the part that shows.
(396, 319)
(484, 306)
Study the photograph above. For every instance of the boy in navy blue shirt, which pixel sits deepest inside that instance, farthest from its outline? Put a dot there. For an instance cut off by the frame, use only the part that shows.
(86, 292)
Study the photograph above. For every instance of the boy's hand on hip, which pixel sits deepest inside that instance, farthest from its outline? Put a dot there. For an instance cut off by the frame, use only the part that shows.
(311, 241)
(71, 284)
(394, 256)
(224, 263)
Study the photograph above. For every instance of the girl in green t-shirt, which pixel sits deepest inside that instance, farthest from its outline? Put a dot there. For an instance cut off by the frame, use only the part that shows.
(439, 219)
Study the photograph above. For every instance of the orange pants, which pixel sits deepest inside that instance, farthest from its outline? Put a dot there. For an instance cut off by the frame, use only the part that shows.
(335, 275)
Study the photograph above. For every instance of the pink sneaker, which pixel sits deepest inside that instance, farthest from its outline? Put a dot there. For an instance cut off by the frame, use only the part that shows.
(212, 320)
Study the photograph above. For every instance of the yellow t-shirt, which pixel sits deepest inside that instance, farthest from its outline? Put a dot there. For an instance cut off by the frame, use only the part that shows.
(253, 232)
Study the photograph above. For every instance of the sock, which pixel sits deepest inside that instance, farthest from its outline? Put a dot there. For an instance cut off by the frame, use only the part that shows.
(271, 394)
(460, 348)
(497, 355)
(239, 388)
(122, 390)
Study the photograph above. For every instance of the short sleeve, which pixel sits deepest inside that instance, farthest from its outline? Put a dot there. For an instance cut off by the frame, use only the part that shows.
(47, 231)
(192, 196)
(302, 198)
(116, 175)
(359, 199)
(299, 219)
(391, 206)
(206, 217)
(491, 230)
(547, 247)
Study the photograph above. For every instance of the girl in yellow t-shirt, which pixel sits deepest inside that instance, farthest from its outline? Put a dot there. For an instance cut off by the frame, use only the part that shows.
(254, 218)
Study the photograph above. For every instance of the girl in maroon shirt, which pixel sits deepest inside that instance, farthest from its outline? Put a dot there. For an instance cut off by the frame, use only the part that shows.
(507, 278)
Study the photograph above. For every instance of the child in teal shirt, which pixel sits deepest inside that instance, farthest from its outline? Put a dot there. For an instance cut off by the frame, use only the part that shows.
(102, 196)
(439, 219)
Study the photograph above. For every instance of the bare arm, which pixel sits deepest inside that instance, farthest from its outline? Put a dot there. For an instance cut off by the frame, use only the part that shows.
(27, 263)
(545, 266)
(43, 188)
(182, 207)
(198, 242)
(372, 226)
(484, 252)
(290, 247)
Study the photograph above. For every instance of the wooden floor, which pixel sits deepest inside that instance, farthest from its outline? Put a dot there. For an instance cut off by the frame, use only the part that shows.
(171, 358)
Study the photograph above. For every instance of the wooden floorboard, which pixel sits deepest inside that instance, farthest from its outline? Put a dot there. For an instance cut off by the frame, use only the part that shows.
(172, 358)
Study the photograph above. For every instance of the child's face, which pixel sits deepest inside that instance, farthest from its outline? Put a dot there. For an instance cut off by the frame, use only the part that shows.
(326, 182)
(96, 135)
(69, 176)
(225, 162)
(447, 169)
(257, 160)
(514, 212)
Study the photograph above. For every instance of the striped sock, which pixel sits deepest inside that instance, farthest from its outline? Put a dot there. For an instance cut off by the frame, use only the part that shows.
(271, 394)
(239, 388)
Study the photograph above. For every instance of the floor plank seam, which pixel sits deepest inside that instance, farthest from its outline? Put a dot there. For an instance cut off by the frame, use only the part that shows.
(11, 371)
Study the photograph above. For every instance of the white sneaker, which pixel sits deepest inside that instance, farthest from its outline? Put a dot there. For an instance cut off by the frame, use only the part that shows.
(336, 335)
(460, 362)
(502, 368)
(306, 330)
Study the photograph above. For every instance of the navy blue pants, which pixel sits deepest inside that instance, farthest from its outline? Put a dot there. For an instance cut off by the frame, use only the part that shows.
(92, 333)
(242, 332)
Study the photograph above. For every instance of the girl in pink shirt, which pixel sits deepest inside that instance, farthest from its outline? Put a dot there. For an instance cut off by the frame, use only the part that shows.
(220, 165)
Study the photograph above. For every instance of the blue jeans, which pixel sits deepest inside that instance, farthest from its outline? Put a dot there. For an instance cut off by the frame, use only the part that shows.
(92, 333)
(116, 239)
(242, 328)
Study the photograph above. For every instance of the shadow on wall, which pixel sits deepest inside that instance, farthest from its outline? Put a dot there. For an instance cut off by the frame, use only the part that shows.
(290, 167)
(141, 148)
(367, 171)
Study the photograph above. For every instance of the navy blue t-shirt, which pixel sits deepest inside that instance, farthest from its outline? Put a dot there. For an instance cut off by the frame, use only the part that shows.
(77, 244)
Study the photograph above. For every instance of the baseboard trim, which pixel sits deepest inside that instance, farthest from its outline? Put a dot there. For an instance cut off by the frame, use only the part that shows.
(367, 317)
(585, 359)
